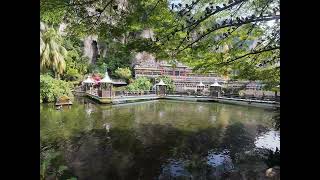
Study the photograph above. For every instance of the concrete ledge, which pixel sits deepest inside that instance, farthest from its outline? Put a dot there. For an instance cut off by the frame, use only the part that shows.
(235, 101)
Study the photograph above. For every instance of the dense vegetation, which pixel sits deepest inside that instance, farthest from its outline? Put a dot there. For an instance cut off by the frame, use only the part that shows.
(241, 36)
(216, 35)
(124, 73)
(51, 89)
(52, 53)
(141, 83)
(235, 38)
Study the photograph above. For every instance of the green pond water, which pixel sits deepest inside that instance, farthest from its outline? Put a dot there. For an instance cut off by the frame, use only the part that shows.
(155, 140)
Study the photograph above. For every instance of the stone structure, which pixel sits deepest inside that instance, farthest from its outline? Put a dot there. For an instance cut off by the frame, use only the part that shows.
(88, 84)
(161, 88)
(215, 89)
(182, 75)
(200, 88)
(105, 88)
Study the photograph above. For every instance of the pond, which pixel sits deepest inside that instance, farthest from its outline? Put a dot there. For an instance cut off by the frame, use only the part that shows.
(160, 139)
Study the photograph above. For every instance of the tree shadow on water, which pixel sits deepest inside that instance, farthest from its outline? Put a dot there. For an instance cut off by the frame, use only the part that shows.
(153, 151)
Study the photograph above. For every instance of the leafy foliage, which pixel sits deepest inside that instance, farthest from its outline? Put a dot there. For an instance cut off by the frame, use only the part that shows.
(51, 89)
(140, 84)
(76, 66)
(52, 11)
(235, 36)
(220, 36)
(124, 73)
(118, 56)
(52, 53)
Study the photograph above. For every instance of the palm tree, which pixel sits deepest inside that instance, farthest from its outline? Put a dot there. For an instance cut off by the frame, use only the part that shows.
(52, 52)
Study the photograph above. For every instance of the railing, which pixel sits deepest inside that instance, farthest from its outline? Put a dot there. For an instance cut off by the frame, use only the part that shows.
(134, 93)
(185, 78)
(179, 93)
(92, 92)
(189, 93)
(251, 97)
(119, 94)
(118, 81)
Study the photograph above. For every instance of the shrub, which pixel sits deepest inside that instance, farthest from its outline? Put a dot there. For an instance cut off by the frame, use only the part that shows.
(75, 66)
(72, 74)
(123, 73)
(51, 89)
(141, 83)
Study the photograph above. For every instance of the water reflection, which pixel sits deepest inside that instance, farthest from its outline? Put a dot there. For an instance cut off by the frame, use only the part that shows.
(220, 159)
(174, 168)
(157, 140)
(268, 140)
(221, 162)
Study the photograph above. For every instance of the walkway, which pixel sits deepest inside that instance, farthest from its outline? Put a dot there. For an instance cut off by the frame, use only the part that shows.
(137, 98)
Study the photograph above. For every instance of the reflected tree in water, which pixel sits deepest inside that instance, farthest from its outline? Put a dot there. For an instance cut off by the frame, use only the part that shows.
(141, 145)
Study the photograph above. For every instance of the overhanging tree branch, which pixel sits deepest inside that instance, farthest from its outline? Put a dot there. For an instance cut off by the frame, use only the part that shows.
(44, 3)
(196, 23)
(251, 53)
(104, 8)
(182, 13)
(154, 7)
(239, 23)
(83, 3)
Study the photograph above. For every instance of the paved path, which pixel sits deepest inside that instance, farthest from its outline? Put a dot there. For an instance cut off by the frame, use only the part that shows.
(249, 102)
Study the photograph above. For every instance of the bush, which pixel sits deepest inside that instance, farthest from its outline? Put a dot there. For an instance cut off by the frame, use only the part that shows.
(123, 73)
(141, 83)
(76, 66)
(51, 89)
(72, 74)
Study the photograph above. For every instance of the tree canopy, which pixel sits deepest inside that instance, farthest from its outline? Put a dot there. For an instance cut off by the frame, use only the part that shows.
(52, 52)
(209, 35)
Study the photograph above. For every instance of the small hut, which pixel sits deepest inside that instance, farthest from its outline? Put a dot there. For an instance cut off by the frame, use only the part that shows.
(215, 89)
(200, 88)
(161, 88)
(96, 78)
(88, 84)
(105, 88)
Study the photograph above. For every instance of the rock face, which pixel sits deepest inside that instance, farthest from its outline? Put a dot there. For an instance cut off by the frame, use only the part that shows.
(91, 48)
(95, 51)
(145, 58)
